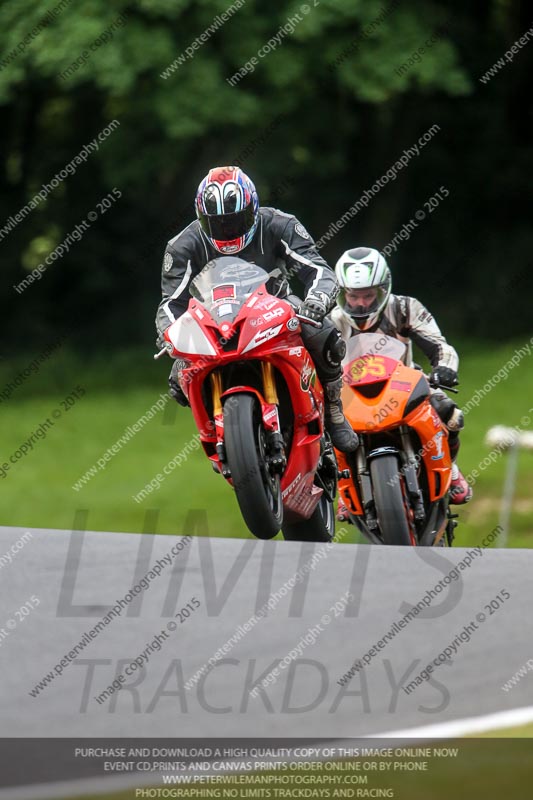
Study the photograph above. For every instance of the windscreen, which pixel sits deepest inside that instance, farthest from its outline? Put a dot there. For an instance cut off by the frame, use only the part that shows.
(371, 357)
(225, 284)
(374, 344)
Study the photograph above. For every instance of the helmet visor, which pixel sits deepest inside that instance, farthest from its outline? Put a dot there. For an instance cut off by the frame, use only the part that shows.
(227, 227)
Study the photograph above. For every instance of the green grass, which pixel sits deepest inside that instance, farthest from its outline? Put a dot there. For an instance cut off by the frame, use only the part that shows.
(37, 490)
(505, 404)
(522, 732)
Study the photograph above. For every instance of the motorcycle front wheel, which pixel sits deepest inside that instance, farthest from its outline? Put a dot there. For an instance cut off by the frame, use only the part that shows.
(258, 491)
(389, 501)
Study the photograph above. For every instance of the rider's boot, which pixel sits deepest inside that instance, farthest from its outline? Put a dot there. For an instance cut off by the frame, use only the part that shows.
(174, 387)
(460, 490)
(338, 427)
(342, 511)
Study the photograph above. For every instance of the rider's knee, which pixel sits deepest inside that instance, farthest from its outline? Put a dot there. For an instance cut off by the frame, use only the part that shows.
(335, 348)
(450, 414)
(456, 421)
(326, 348)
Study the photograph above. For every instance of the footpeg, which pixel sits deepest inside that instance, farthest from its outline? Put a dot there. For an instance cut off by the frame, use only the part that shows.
(343, 473)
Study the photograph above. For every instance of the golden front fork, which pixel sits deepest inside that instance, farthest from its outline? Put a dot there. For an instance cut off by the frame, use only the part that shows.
(216, 386)
(269, 387)
(269, 383)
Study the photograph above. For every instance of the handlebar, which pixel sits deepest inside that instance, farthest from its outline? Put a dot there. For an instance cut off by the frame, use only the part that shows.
(308, 321)
(440, 386)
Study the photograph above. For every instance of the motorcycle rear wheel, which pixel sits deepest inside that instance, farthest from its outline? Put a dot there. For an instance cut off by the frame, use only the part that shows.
(258, 491)
(389, 502)
(320, 527)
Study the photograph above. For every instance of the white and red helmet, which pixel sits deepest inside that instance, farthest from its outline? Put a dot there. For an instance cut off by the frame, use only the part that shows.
(227, 207)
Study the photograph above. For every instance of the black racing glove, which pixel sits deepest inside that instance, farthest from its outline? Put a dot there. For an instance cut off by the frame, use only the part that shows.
(443, 376)
(312, 312)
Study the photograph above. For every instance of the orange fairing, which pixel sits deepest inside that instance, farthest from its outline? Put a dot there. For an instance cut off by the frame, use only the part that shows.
(387, 408)
(375, 396)
(434, 450)
(347, 489)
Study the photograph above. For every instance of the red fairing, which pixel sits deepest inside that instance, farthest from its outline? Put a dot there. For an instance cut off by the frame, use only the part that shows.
(265, 328)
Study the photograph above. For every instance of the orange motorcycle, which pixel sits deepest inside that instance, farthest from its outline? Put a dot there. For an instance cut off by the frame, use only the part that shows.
(395, 486)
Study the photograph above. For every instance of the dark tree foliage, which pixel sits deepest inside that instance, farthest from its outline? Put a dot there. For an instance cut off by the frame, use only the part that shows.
(347, 87)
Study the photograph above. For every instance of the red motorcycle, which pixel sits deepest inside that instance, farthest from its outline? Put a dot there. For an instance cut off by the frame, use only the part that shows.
(256, 400)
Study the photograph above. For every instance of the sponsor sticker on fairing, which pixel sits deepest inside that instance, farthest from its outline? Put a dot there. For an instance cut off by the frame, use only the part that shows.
(292, 486)
(268, 316)
(307, 376)
(224, 292)
(435, 417)
(267, 303)
(261, 337)
(401, 386)
(437, 439)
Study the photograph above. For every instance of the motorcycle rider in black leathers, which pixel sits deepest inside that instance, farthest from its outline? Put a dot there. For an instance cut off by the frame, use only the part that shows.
(230, 221)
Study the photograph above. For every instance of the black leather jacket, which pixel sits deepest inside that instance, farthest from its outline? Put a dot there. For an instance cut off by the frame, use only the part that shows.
(281, 246)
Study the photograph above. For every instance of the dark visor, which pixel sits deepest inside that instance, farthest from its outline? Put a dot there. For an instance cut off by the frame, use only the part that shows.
(226, 227)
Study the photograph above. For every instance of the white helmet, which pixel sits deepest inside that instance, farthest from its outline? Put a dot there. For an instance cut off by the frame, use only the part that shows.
(363, 268)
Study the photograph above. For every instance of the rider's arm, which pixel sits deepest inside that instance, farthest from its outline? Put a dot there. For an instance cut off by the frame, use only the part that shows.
(176, 274)
(302, 260)
(424, 332)
(175, 279)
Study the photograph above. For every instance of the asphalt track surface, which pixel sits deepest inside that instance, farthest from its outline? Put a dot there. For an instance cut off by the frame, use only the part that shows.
(76, 577)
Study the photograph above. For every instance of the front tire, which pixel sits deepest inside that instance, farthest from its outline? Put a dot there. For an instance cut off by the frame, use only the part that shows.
(258, 491)
(389, 502)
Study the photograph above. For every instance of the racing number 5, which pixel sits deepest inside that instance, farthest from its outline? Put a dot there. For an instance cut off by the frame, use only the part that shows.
(375, 366)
